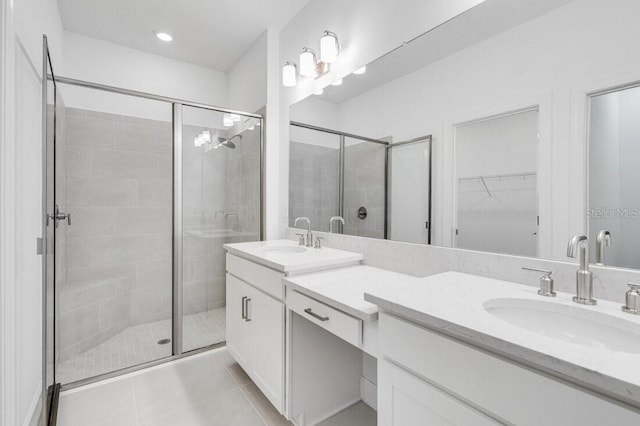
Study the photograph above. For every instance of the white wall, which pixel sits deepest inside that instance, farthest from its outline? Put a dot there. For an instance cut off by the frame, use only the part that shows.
(546, 61)
(247, 79)
(21, 27)
(98, 61)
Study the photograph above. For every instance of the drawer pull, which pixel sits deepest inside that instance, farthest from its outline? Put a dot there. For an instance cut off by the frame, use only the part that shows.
(246, 315)
(313, 314)
(244, 312)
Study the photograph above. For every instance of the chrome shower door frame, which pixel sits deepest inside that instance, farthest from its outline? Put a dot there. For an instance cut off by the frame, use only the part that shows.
(177, 214)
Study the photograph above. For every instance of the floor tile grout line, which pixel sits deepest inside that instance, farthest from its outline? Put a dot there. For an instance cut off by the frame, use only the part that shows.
(251, 404)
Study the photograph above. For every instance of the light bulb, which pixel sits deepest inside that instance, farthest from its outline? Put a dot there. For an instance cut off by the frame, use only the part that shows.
(329, 47)
(289, 74)
(360, 70)
(307, 62)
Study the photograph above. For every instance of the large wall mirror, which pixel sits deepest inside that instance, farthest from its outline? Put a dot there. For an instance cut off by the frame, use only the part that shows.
(507, 129)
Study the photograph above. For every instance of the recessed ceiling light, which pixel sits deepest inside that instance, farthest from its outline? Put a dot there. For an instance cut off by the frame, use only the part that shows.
(164, 36)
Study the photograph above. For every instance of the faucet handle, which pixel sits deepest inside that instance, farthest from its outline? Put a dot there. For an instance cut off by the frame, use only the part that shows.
(546, 282)
(300, 239)
(634, 286)
(632, 299)
(318, 243)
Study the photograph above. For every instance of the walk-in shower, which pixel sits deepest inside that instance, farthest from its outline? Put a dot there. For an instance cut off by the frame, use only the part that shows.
(137, 264)
(380, 189)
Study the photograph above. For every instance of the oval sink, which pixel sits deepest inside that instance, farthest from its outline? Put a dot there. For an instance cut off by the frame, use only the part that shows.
(570, 324)
(284, 249)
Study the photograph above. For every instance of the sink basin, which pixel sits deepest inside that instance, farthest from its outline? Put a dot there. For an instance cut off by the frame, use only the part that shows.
(284, 249)
(576, 325)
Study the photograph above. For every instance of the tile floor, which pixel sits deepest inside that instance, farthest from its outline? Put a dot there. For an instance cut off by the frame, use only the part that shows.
(206, 389)
(138, 344)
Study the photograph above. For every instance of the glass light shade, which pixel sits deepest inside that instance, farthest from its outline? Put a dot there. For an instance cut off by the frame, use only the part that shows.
(289, 75)
(307, 63)
(329, 47)
(360, 70)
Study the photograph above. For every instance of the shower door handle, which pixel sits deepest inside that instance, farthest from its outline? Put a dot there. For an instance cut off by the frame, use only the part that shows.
(57, 216)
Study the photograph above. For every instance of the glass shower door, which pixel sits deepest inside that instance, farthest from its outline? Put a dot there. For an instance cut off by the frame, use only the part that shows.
(220, 204)
(364, 188)
(114, 276)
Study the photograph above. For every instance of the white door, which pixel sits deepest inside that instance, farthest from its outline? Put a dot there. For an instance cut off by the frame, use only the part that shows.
(238, 330)
(405, 399)
(266, 316)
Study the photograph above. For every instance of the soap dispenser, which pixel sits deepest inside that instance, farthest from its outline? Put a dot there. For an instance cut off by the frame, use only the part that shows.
(632, 299)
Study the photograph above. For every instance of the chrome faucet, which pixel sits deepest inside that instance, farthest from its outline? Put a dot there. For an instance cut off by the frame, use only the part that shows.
(603, 239)
(584, 278)
(333, 219)
(309, 240)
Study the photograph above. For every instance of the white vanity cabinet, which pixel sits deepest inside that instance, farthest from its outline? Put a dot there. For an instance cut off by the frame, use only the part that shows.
(255, 325)
(427, 378)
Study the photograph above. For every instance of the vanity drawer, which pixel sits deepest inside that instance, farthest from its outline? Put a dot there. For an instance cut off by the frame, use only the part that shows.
(259, 276)
(336, 322)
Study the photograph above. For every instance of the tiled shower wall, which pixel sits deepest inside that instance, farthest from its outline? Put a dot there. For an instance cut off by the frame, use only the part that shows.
(118, 258)
(221, 192)
(364, 186)
(313, 184)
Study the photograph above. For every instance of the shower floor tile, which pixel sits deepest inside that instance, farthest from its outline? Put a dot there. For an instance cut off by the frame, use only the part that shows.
(139, 344)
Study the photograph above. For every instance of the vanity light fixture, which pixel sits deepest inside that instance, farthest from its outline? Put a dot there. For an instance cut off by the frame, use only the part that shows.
(164, 36)
(329, 47)
(360, 70)
(338, 82)
(289, 74)
(308, 62)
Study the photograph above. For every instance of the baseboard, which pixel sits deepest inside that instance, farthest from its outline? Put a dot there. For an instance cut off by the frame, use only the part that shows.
(369, 393)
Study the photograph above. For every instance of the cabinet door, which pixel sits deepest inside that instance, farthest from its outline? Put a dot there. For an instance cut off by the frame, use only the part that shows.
(238, 330)
(267, 339)
(405, 399)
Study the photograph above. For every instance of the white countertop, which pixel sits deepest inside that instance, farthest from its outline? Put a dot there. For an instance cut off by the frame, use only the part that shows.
(452, 303)
(309, 260)
(344, 288)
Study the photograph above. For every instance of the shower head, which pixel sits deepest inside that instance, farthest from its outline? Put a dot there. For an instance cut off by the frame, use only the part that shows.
(229, 142)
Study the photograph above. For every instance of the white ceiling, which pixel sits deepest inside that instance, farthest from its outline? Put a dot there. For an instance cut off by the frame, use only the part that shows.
(211, 33)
